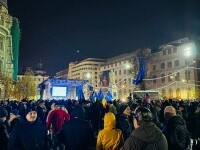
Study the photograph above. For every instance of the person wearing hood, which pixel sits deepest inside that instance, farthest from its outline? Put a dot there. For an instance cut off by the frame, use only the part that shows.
(29, 133)
(110, 137)
(175, 130)
(146, 135)
(77, 133)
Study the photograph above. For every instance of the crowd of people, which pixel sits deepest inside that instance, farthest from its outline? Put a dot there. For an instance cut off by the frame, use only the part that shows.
(84, 125)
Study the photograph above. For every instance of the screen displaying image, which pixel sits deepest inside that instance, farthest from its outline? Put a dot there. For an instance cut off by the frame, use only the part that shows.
(59, 91)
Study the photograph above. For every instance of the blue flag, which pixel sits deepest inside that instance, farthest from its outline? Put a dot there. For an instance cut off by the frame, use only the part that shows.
(100, 95)
(109, 97)
(92, 97)
(79, 92)
(140, 75)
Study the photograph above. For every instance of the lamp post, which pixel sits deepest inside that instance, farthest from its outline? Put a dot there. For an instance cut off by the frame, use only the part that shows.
(187, 54)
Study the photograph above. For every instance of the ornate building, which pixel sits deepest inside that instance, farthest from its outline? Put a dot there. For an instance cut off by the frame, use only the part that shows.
(9, 44)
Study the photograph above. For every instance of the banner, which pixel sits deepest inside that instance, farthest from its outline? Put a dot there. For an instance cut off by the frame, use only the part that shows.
(104, 78)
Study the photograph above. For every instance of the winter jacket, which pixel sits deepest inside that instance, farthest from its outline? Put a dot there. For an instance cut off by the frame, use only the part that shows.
(124, 125)
(3, 136)
(57, 118)
(110, 137)
(28, 136)
(146, 137)
(76, 134)
(176, 133)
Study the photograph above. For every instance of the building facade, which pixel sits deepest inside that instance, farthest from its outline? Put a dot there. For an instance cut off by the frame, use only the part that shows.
(62, 74)
(173, 70)
(9, 44)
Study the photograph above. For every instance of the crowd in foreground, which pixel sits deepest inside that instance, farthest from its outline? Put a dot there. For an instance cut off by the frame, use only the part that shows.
(85, 125)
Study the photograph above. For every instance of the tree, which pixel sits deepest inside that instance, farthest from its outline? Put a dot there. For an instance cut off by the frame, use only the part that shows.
(8, 87)
(26, 86)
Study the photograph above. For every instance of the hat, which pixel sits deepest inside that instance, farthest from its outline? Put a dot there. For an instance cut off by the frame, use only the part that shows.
(30, 109)
(3, 112)
(14, 112)
(78, 111)
(123, 107)
(40, 101)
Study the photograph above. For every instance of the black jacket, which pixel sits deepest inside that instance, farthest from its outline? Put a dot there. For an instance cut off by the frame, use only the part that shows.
(28, 136)
(123, 124)
(3, 136)
(77, 134)
(176, 133)
(146, 137)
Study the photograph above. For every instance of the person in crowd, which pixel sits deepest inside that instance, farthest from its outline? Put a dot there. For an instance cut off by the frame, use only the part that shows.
(175, 130)
(146, 135)
(55, 120)
(41, 110)
(14, 119)
(110, 137)
(29, 133)
(77, 133)
(123, 121)
(6, 105)
(147, 101)
(22, 108)
(111, 107)
(196, 123)
(3, 129)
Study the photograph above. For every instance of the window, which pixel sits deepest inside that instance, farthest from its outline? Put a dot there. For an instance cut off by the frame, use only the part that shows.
(169, 77)
(115, 72)
(162, 66)
(164, 52)
(154, 67)
(120, 72)
(187, 74)
(174, 50)
(176, 63)
(115, 64)
(170, 93)
(177, 76)
(169, 51)
(169, 64)
(154, 81)
(125, 71)
(163, 79)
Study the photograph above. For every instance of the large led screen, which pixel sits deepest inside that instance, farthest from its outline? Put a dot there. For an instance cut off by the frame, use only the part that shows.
(59, 91)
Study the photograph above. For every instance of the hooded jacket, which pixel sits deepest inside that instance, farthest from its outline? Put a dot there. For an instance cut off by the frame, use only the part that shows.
(176, 133)
(146, 137)
(77, 134)
(110, 137)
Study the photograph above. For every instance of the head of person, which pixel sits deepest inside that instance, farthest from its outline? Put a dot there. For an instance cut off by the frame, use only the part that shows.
(14, 113)
(41, 103)
(31, 114)
(109, 120)
(78, 112)
(56, 105)
(3, 114)
(125, 109)
(169, 112)
(141, 115)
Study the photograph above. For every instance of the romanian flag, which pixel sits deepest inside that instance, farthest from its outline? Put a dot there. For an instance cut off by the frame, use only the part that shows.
(104, 102)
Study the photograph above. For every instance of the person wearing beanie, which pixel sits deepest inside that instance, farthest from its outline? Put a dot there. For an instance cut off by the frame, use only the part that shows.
(110, 137)
(3, 129)
(146, 134)
(77, 133)
(123, 121)
(29, 134)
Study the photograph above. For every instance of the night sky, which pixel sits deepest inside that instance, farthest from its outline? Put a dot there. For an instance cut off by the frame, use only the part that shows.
(54, 31)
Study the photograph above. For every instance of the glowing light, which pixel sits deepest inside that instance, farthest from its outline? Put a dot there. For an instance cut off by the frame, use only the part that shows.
(187, 51)
(88, 75)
